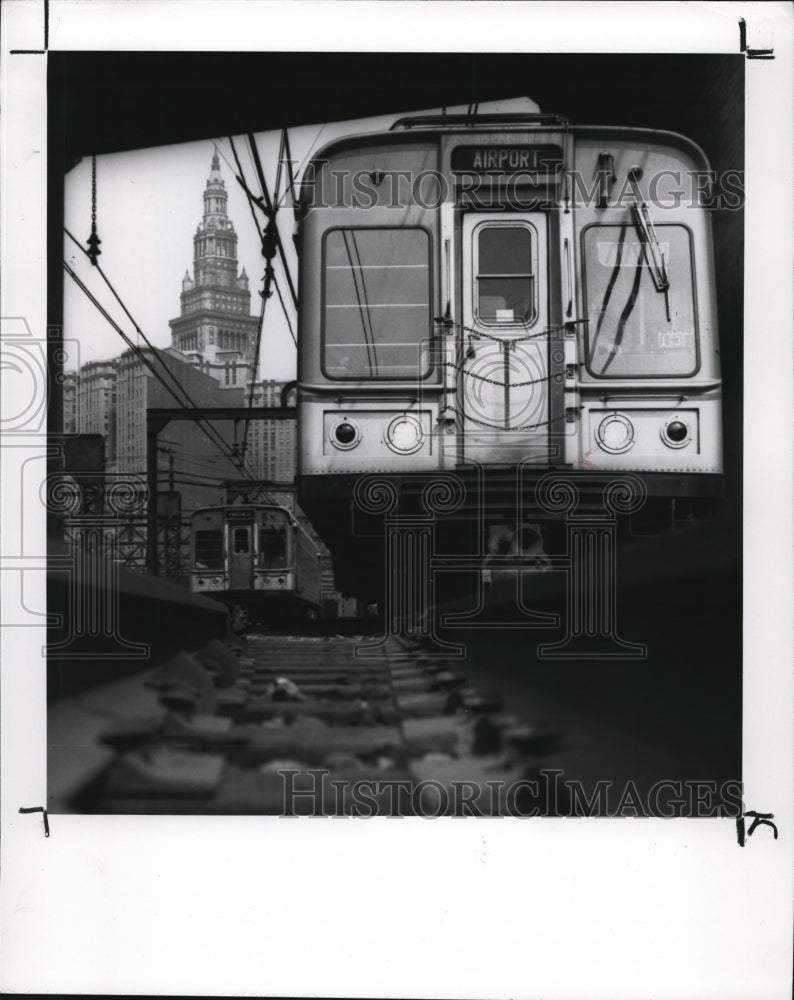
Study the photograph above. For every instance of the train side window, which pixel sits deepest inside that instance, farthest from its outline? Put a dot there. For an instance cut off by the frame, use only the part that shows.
(209, 549)
(629, 333)
(376, 303)
(504, 278)
(242, 541)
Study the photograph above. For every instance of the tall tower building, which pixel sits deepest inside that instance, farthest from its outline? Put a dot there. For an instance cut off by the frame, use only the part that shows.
(215, 332)
(215, 328)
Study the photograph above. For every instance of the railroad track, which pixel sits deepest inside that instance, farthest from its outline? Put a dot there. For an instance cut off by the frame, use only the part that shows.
(294, 725)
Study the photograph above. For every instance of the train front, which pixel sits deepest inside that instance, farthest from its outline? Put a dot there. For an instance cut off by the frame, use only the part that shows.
(489, 300)
(245, 555)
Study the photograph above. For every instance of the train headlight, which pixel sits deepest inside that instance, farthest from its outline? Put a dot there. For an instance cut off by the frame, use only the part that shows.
(345, 434)
(404, 434)
(676, 433)
(615, 433)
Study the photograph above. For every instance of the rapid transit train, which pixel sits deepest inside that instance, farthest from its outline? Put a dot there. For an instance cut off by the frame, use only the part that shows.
(488, 298)
(258, 558)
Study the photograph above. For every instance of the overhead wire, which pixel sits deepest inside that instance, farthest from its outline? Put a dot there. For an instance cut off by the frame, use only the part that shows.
(290, 173)
(216, 435)
(279, 169)
(266, 206)
(282, 151)
(269, 208)
(265, 296)
(270, 212)
(219, 441)
(286, 313)
(253, 200)
(101, 309)
(315, 143)
(265, 293)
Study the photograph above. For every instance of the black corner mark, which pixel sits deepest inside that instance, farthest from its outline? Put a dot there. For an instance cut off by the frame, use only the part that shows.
(42, 51)
(43, 811)
(759, 819)
(751, 53)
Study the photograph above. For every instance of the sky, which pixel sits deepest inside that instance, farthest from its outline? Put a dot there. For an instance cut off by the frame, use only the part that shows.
(149, 203)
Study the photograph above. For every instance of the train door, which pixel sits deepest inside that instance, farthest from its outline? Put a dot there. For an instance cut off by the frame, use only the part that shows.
(241, 557)
(504, 379)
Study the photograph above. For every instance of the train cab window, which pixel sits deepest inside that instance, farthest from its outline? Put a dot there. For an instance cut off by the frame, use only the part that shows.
(376, 303)
(272, 547)
(504, 278)
(209, 549)
(241, 541)
(634, 328)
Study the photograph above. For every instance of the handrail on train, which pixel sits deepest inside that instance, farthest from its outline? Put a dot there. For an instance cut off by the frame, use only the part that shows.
(524, 118)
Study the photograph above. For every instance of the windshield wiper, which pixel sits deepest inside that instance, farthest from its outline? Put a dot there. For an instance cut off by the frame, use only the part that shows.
(655, 257)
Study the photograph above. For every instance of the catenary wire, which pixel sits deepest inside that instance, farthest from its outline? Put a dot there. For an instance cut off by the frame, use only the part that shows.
(219, 441)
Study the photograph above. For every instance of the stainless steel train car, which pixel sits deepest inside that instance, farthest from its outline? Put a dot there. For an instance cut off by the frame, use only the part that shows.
(491, 297)
(256, 557)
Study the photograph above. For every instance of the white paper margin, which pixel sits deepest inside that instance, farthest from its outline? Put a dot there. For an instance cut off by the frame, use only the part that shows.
(550, 908)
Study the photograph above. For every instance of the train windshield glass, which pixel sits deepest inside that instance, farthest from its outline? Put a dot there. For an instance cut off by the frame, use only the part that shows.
(273, 547)
(505, 280)
(241, 541)
(209, 549)
(628, 331)
(376, 307)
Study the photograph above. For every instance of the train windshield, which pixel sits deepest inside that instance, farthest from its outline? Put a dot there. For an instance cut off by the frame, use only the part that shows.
(209, 549)
(376, 308)
(629, 333)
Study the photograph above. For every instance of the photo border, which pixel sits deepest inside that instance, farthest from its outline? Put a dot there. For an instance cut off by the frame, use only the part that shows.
(226, 905)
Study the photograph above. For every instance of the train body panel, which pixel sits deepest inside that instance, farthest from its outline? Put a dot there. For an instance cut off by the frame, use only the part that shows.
(494, 298)
(256, 555)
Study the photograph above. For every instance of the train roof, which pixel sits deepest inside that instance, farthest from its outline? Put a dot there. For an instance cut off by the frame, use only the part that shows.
(242, 506)
(376, 125)
(512, 116)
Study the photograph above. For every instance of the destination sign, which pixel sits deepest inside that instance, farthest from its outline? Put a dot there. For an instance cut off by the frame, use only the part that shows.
(506, 159)
(243, 514)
